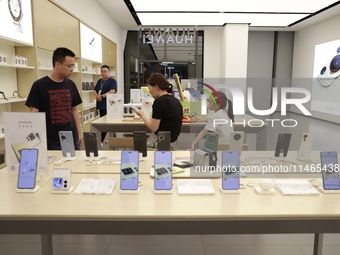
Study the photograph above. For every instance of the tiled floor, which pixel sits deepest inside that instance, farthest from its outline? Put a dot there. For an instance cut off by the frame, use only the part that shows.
(278, 244)
(326, 138)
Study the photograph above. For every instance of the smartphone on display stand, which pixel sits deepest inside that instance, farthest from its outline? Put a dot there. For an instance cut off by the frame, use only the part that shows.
(231, 170)
(211, 141)
(305, 145)
(330, 170)
(163, 170)
(90, 140)
(236, 141)
(67, 144)
(139, 142)
(163, 140)
(28, 168)
(282, 145)
(129, 170)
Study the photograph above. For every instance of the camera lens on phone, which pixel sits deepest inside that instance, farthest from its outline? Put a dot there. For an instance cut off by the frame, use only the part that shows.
(63, 137)
(335, 64)
(237, 137)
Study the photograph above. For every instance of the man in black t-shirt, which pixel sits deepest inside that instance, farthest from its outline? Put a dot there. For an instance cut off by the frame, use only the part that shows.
(58, 97)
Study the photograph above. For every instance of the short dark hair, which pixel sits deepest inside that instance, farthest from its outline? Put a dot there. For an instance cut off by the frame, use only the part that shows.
(159, 80)
(60, 54)
(105, 66)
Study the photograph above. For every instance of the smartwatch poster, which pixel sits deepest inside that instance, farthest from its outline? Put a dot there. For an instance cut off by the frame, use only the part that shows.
(326, 82)
(16, 21)
(115, 106)
(24, 131)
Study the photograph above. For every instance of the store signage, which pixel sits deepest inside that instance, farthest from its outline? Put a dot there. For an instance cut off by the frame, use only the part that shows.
(168, 35)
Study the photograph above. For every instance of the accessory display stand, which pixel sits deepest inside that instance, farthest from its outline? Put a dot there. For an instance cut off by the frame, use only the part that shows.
(229, 191)
(260, 191)
(28, 190)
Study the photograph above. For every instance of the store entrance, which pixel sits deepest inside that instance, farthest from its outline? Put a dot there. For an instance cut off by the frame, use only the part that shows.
(168, 58)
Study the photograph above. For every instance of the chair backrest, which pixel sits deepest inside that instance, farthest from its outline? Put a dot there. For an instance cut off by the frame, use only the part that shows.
(116, 142)
(225, 147)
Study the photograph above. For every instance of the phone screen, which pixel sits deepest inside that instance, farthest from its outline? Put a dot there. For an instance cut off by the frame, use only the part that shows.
(231, 171)
(27, 169)
(163, 170)
(129, 170)
(330, 170)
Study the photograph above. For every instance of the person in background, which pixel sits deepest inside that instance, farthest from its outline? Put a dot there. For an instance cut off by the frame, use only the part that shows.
(222, 111)
(58, 96)
(105, 85)
(167, 111)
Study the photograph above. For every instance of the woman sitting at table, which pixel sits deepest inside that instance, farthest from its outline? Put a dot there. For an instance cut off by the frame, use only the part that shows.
(222, 111)
(167, 111)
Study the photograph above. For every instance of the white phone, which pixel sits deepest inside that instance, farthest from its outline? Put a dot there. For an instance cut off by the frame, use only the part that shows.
(61, 179)
(305, 145)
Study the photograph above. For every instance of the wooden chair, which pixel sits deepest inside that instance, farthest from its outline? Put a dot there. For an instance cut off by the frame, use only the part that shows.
(117, 143)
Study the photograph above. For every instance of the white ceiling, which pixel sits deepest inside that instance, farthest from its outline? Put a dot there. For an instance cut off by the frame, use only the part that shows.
(274, 15)
(261, 15)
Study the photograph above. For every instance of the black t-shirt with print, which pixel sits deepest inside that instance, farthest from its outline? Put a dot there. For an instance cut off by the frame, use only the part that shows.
(56, 99)
(170, 111)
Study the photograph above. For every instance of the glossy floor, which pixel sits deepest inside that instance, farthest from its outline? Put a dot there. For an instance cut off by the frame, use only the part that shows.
(278, 244)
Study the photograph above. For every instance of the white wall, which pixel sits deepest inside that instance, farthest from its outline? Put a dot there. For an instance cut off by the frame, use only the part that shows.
(95, 17)
(303, 59)
(212, 56)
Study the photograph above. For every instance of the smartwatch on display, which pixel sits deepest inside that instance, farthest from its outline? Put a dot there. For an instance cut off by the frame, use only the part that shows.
(15, 9)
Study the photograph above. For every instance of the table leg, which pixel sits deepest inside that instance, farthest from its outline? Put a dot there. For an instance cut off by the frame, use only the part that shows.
(46, 244)
(318, 241)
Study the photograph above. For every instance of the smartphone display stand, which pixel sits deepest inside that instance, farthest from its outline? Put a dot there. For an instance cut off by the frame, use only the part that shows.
(163, 191)
(68, 157)
(92, 159)
(305, 159)
(128, 191)
(141, 158)
(63, 191)
(229, 191)
(328, 191)
(28, 190)
(285, 159)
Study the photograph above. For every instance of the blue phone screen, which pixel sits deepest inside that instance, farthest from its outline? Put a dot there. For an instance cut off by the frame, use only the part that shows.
(27, 168)
(330, 170)
(129, 170)
(163, 170)
(231, 172)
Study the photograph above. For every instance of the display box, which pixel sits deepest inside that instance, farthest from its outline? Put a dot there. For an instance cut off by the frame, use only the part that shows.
(25, 130)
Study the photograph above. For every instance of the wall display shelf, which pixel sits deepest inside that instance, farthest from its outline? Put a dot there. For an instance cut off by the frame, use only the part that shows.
(63, 29)
(16, 66)
(12, 100)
